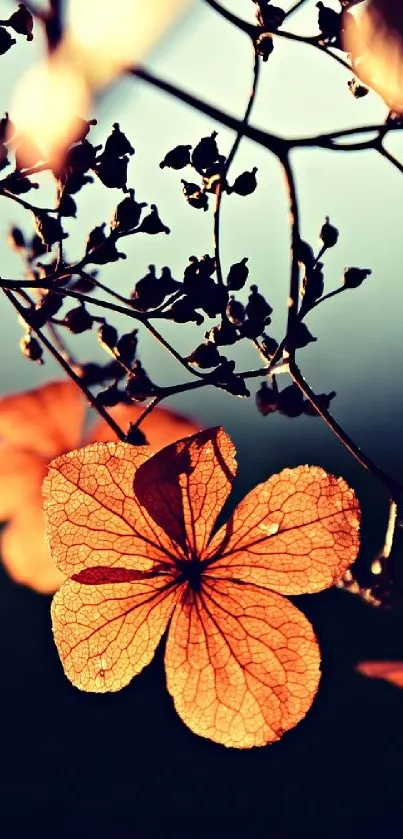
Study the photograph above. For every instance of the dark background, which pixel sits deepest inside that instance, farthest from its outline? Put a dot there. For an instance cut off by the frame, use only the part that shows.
(124, 765)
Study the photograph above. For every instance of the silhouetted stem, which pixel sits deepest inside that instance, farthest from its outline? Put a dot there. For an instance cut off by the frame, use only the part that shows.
(24, 314)
(391, 158)
(230, 159)
(395, 488)
(325, 297)
(295, 8)
(295, 239)
(243, 25)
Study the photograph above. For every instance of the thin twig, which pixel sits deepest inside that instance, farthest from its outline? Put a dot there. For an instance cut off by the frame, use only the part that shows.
(24, 313)
(230, 159)
(395, 488)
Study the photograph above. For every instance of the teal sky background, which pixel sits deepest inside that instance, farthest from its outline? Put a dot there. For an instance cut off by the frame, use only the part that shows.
(359, 347)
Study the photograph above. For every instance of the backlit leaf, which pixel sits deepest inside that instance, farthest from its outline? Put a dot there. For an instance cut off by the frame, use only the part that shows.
(107, 633)
(184, 486)
(296, 533)
(242, 664)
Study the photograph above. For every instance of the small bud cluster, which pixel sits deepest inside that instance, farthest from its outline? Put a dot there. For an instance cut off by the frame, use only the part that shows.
(210, 165)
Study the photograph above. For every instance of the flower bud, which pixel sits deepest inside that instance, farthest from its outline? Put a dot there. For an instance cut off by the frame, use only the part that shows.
(245, 183)
(49, 229)
(299, 337)
(358, 90)
(224, 334)
(112, 171)
(107, 336)
(329, 22)
(117, 144)
(264, 46)
(78, 320)
(7, 128)
(22, 22)
(291, 401)
(267, 399)
(269, 346)
(182, 311)
(127, 213)
(195, 196)
(235, 311)
(257, 307)
(31, 348)
(139, 387)
(16, 240)
(205, 153)
(177, 158)
(205, 355)
(126, 347)
(238, 274)
(152, 223)
(110, 397)
(135, 436)
(354, 277)
(6, 41)
(328, 234)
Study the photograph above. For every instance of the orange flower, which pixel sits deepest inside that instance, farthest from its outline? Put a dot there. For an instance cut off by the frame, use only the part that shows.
(135, 533)
(35, 427)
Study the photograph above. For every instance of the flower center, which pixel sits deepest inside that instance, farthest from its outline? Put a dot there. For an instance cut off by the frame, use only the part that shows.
(190, 571)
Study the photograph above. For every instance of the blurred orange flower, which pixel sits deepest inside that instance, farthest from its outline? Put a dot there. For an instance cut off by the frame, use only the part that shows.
(100, 41)
(374, 38)
(35, 427)
(390, 671)
(136, 534)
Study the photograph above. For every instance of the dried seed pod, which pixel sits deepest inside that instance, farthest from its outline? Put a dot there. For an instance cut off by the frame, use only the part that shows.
(107, 336)
(235, 311)
(127, 213)
(354, 277)
(152, 223)
(205, 153)
(22, 22)
(267, 398)
(245, 183)
(117, 144)
(177, 158)
(328, 234)
(238, 274)
(257, 307)
(205, 355)
(31, 348)
(78, 320)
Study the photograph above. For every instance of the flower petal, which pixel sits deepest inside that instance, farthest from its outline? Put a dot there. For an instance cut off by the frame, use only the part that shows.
(105, 634)
(25, 552)
(161, 427)
(184, 486)
(390, 671)
(297, 533)
(242, 664)
(93, 517)
(21, 476)
(46, 420)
